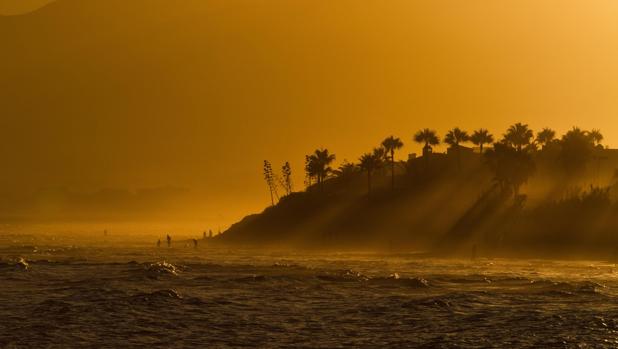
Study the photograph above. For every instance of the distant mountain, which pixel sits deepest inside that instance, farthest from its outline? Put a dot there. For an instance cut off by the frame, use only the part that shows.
(130, 94)
(149, 93)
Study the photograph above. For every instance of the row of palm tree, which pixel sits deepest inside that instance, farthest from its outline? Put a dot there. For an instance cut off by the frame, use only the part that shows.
(374, 160)
(518, 137)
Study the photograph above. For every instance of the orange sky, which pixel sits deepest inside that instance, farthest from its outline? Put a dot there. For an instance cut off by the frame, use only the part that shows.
(12, 7)
(144, 93)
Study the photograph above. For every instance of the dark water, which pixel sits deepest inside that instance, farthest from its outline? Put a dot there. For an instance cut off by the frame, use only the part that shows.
(64, 296)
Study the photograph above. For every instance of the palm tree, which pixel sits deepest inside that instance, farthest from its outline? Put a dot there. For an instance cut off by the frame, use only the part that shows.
(481, 137)
(545, 137)
(596, 136)
(324, 161)
(429, 138)
(511, 167)
(370, 162)
(318, 165)
(380, 153)
(454, 138)
(518, 136)
(346, 169)
(576, 151)
(391, 144)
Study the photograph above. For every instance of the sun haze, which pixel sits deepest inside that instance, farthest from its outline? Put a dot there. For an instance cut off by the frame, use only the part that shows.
(194, 95)
(308, 173)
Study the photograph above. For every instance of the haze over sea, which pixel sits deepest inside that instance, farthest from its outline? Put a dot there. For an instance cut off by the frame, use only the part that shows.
(111, 292)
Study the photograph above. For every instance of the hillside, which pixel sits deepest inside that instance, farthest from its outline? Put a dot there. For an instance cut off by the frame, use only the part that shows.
(422, 210)
(442, 207)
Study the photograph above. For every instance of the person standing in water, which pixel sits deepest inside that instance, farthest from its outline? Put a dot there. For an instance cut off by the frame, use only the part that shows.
(159, 243)
(169, 240)
(194, 243)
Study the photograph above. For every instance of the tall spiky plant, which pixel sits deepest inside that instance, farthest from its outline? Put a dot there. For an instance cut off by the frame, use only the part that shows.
(286, 177)
(270, 179)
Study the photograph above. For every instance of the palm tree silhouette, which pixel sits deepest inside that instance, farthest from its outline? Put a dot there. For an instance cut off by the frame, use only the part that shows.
(346, 169)
(596, 136)
(370, 162)
(481, 137)
(318, 165)
(518, 136)
(545, 137)
(576, 150)
(429, 138)
(380, 153)
(391, 144)
(454, 138)
(511, 167)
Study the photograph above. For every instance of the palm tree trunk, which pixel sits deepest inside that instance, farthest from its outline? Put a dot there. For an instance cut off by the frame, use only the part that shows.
(392, 170)
(368, 183)
(458, 158)
(426, 156)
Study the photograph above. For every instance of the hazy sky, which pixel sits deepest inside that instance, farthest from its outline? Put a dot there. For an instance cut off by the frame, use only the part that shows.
(12, 7)
(197, 93)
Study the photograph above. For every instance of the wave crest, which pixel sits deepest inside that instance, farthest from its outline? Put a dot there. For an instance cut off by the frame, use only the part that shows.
(156, 270)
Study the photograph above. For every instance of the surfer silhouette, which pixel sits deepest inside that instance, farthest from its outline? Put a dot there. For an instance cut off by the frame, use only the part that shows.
(194, 243)
(159, 243)
(169, 240)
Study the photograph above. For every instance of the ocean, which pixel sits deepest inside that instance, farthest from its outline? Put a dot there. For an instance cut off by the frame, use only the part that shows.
(60, 293)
